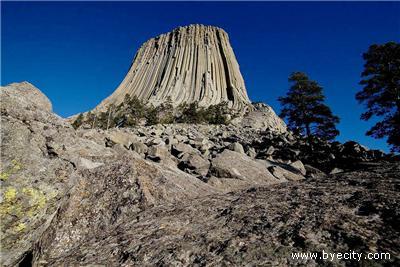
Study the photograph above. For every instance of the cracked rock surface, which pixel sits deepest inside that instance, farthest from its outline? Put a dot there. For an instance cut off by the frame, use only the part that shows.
(260, 226)
(184, 195)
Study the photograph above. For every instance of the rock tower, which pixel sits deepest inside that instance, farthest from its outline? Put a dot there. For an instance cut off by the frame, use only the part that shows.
(192, 63)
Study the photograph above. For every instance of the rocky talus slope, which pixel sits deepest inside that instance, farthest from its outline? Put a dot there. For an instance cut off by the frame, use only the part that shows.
(192, 63)
(186, 195)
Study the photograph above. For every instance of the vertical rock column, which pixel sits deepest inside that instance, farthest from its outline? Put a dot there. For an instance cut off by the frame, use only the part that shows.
(192, 63)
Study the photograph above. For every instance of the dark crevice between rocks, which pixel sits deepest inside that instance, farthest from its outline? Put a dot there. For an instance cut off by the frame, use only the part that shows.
(367, 208)
(229, 89)
(51, 152)
(27, 260)
(141, 201)
(164, 68)
(125, 256)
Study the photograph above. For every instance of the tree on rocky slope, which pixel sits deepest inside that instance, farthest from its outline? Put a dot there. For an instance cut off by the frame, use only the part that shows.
(166, 112)
(190, 113)
(78, 121)
(381, 92)
(305, 110)
(216, 114)
(152, 115)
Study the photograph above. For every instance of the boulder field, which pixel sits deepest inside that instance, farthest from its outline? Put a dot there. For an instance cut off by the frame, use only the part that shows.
(245, 194)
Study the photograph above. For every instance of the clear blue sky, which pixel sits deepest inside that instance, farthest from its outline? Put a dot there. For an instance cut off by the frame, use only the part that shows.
(78, 52)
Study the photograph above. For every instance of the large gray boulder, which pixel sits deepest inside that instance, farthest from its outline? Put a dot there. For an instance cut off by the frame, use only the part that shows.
(158, 153)
(113, 195)
(120, 137)
(194, 163)
(237, 166)
(256, 226)
(25, 102)
(286, 172)
(263, 117)
(54, 175)
(28, 96)
(33, 178)
(180, 149)
(237, 147)
(299, 166)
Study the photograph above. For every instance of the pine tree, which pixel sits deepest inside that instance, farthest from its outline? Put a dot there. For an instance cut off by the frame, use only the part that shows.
(78, 122)
(110, 119)
(381, 92)
(216, 114)
(135, 108)
(102, 119)
(90, 119)
(151, 115)
(305, 111)
(191, 113)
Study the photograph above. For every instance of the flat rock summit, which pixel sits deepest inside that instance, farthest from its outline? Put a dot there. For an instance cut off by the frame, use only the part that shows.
(192, 63)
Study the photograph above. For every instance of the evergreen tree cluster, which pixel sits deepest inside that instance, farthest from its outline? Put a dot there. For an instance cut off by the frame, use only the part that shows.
(306, 113)
(133, 112)
(192, 113)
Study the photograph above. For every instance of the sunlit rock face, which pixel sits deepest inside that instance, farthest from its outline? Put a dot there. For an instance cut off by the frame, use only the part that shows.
(184, 194)
(192, 63)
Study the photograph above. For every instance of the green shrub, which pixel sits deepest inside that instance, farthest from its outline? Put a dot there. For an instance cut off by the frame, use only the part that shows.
(151, 115)
(217, 114)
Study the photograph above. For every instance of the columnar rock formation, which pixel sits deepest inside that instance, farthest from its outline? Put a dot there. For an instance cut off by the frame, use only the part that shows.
(192, 63)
